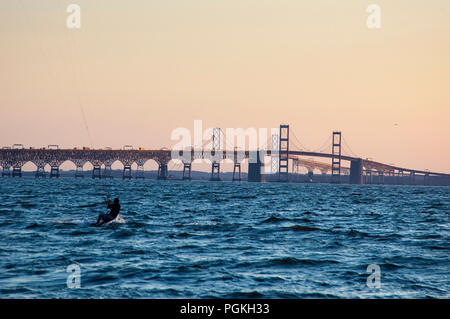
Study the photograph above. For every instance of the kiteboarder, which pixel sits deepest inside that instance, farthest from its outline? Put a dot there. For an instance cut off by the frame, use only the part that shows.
(113, 213)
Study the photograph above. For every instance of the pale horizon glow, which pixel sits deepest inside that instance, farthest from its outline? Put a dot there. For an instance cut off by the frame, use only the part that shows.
(140, 69)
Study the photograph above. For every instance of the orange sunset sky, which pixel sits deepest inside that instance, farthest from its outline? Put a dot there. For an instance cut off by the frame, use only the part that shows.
(140, 69)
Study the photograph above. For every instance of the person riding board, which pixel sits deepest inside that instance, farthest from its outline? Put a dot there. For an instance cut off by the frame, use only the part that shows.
(113, 213)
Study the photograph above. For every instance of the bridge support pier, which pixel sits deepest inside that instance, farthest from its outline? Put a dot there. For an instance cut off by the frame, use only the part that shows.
(446, 180)
(215, 171)
(107, 171)
(412, 178)
(389, 175)
(254, 168)
(126, 172)
(79, 172)
(54, 172)
(17, 171)
(187, 172)
(356, 172)
(402, 178)
(140, 171)
(368, 177)
(397, 178)
(40, 172)
(426, 179)
(97, 171)
(237, 170)
(380, 177)
(162, 171)
(6, 171)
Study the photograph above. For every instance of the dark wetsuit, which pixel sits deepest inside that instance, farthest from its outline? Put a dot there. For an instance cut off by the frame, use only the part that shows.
(115, 209)
(105, 218)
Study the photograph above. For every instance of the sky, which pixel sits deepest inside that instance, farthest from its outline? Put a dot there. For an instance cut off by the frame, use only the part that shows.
(136, 70)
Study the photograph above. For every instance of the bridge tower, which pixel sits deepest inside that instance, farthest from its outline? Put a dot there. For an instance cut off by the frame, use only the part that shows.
(215, 147)
(274, 153)
(283, 154)
(336, 157)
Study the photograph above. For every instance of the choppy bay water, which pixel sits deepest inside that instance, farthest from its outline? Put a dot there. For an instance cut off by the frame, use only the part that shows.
(223, 239)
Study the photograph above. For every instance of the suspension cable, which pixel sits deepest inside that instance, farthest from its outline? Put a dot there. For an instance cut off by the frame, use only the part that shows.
(324, 145)
(346, 144)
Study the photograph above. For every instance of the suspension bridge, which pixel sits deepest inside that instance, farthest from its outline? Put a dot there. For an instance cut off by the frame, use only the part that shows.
(286, 154)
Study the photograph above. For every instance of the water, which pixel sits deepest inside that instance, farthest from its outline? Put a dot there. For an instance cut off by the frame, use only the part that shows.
(220, 239)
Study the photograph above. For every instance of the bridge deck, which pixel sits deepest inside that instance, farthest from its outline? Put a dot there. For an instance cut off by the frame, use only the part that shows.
(58, 156)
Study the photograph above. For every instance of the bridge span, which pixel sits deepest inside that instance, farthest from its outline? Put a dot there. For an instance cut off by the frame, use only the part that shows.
(359, 171)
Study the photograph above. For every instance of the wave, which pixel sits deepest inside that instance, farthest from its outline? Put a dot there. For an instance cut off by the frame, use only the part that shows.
(244, 197)
(356, 233)
(274, 219)
(304, 228)
(435, 205)
(91, 205)
(84, 221)
(290, 261)
(28, 205)
(123, 233)
(304, 220)
(181, 235)
(33, 225)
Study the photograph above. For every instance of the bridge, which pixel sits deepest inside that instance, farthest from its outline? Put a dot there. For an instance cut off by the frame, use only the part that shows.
(359, 170)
